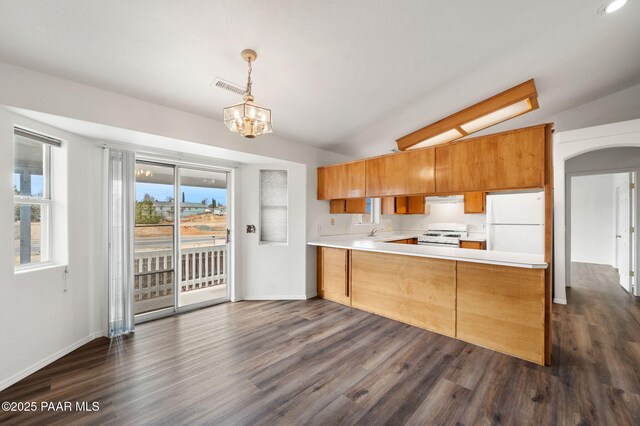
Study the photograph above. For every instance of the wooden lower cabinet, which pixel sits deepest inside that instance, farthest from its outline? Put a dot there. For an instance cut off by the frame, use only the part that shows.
(476, 245)
(333, 274)
(407, 241)
(502, 308)
(414, 290)
(498, 307)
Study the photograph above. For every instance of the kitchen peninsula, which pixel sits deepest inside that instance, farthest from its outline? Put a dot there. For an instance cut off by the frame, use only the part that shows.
(499, 300)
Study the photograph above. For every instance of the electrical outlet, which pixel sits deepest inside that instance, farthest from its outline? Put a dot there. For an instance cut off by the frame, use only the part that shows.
(332, 221)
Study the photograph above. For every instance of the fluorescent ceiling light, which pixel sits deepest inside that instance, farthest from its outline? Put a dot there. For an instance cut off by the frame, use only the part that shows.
(614, 5)
(512, 102)
(445, 137)
(497, 116)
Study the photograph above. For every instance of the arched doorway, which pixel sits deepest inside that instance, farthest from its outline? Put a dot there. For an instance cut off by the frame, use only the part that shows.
(601, 214)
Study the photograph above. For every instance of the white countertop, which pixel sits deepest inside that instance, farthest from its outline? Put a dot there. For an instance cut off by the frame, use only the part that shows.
(473, 238)
(378, 244)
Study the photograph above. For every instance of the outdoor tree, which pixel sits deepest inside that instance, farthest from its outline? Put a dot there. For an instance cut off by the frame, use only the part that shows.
(146, 213)
(213, 204)
(204, 202)
(148, 197)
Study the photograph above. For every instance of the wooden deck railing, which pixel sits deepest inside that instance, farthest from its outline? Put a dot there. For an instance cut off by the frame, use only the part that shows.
(201, 267)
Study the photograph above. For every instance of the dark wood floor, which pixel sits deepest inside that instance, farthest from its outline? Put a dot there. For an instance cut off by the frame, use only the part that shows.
(317, 362)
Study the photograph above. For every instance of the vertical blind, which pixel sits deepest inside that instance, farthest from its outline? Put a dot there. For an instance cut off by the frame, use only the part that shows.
(121, 183)
(273, 206)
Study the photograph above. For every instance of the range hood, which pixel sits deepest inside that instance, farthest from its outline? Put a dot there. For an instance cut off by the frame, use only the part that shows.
(448, 199)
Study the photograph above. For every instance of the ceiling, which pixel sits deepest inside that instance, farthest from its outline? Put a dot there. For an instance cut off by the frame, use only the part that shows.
(351, 76)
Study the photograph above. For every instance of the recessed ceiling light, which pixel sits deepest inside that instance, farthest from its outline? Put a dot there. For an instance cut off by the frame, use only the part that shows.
(612, 6)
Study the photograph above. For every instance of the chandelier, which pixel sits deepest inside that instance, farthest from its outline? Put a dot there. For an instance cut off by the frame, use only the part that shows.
(247, 118)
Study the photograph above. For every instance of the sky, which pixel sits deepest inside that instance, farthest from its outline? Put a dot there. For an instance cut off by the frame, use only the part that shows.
(36, 183)
(159, 192)
(192, 194)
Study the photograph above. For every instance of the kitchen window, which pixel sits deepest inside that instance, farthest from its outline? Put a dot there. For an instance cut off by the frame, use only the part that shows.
(32, 197)
(372, 214)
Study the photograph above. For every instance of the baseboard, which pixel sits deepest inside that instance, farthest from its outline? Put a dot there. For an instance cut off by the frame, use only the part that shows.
(282, 297)
(48, 360)
(559, 301)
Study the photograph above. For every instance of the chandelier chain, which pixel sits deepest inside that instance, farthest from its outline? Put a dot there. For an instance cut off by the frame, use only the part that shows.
(248, 92)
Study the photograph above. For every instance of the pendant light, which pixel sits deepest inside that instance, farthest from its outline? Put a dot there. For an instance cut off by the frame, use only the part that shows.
(247, 118)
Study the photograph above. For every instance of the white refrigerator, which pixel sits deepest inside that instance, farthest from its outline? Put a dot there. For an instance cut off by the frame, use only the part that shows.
(515, 222)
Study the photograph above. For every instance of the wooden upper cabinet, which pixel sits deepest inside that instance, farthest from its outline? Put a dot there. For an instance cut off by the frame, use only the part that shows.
(342, 181)
(404, 173)
(403, 205)
(509, 160)
(475, 202)
(351, 205)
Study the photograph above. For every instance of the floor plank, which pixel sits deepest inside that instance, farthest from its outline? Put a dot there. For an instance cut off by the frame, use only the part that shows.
(320, 363)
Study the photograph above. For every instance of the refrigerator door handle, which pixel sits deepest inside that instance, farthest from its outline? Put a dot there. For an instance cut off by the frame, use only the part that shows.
(490, 236)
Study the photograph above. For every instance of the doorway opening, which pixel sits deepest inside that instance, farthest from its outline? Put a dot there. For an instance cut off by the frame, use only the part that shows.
(181, 246)
(602, 227)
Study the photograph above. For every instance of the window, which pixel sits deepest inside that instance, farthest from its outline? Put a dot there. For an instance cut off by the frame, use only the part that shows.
(273, 206)
(372, 215)
(32, 197)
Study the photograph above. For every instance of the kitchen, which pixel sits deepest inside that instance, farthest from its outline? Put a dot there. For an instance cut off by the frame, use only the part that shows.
(458, 250)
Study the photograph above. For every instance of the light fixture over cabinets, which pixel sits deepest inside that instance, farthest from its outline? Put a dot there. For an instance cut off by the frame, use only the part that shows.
(247, 118)
(511, 103)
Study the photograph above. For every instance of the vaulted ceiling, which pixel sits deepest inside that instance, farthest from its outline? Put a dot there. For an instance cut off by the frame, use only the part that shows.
(350, 76)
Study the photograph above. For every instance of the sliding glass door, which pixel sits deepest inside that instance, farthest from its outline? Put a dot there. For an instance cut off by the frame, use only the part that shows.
(203, 239)
(154, 249)
(181, 255)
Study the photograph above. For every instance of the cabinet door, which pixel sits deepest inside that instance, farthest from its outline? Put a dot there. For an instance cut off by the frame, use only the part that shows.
(341, 181)
(404, 173)
(502, 308)
(402, 205)
(475, 202)
(413, 290)
(512, 160)
(415, 204)
(388, 205)
(333, 275)
(475, 245)
(351, 205)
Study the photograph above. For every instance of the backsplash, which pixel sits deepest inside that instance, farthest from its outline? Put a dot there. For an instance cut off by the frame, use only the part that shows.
(440, 213)
(336, 224)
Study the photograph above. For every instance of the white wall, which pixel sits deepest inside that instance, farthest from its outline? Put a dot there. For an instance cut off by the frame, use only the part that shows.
(616, 107)
(39, 320)
(443, 213)
(593, 219)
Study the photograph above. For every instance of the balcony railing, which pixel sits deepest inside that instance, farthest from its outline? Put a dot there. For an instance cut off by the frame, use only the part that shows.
(201, 268)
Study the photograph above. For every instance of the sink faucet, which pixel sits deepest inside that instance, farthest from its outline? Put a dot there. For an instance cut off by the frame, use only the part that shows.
(372, 233)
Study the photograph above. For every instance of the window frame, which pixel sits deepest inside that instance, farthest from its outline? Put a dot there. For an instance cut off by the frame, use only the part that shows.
(45, 202)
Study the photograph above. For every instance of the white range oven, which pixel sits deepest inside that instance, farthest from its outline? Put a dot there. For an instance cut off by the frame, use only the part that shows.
(443, 235)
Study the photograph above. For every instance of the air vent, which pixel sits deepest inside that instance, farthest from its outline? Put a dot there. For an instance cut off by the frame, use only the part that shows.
(227, 85)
